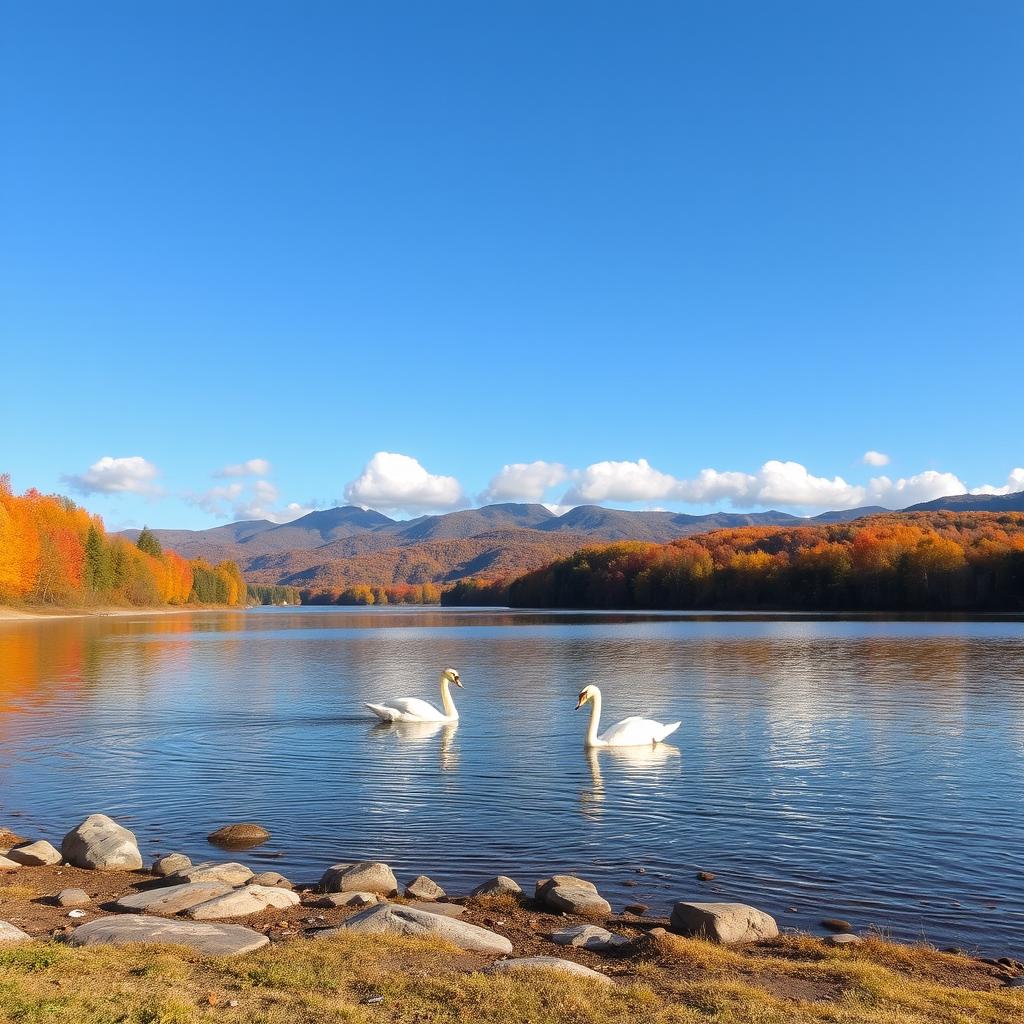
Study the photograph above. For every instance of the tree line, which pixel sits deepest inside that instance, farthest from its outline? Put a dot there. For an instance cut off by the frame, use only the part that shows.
(931, 561)
(364, 594)
(54, 552)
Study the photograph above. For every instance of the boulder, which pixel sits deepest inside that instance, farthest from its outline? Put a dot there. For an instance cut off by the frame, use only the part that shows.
(272, 878)
(576, 900)
(72, 898)
(230, 872)
(6, 864)
(9, 935)
(212, 939)
(423, 888)
(363, 876)
(38, 854)
(100, 843)
(723, 922)
(551, 963)
(498, 885)
(435, 907)
(171, 899)
(545, 885)
(170, 864)
(250, 899)
(346, 899)
(240, 836)
(392, 919)
(589, 936)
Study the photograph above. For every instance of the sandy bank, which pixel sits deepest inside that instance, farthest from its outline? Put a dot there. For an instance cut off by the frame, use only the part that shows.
(28, 614)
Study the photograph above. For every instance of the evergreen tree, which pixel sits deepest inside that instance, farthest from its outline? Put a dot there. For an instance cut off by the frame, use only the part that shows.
(147, 542)
(99, 570)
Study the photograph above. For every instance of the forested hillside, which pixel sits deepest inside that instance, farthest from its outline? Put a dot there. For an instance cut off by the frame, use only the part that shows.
(909, 561)
(54, 553)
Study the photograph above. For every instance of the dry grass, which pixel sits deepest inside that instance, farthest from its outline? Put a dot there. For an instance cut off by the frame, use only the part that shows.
(17, 892)
(792, 981)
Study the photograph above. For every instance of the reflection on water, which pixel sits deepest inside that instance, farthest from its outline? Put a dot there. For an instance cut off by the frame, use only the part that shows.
(867, 769)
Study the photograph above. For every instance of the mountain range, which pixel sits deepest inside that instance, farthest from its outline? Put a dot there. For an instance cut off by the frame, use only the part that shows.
(338, 547)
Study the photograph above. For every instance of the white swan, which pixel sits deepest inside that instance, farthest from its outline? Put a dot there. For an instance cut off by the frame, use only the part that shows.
(630, 732)
(412, 709)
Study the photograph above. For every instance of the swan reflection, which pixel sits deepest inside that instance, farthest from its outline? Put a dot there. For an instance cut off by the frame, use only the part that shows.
(627, 761)
(419, 734)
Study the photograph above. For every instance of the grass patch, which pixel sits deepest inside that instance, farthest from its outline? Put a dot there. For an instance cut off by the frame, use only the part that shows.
(17, 892)
(338, 979)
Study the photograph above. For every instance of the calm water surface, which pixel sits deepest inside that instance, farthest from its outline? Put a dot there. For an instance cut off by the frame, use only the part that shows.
(864, 769)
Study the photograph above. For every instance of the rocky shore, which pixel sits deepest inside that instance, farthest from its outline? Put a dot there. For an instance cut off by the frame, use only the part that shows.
(97, 890)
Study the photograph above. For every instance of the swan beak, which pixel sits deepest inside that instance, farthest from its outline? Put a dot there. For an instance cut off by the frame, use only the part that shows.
(458, 683)
(580, 703)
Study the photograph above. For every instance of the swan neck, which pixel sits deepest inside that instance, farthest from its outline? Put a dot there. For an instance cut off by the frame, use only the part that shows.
(446, 699)
(595, 716)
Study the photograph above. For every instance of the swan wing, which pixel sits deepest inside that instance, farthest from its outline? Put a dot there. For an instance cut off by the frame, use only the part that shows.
(407, 709)
(636, 731)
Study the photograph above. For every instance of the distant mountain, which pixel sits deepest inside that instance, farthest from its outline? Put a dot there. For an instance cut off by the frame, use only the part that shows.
(336, 547)
(849, 514)
(973, 503)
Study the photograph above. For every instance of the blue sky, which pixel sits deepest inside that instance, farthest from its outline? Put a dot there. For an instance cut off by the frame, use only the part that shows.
(682, 255)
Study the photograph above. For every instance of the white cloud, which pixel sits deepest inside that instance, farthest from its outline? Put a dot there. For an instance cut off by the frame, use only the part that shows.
(620, 481)
(524, 481)
(924, 486)
(253, 467)
(130, 475)
(873, 458)
(776, 483)
(244, 501)
(1014, 483)
(390, 481)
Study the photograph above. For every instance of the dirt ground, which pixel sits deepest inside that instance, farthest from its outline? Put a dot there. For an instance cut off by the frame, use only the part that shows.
(26, 900)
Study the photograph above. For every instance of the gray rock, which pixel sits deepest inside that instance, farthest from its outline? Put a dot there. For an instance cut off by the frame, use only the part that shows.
(9, 935)
(577, 900)
(72, 898)
(212, 939)
(100, 843)
(589, 936)
(170, 899)
(392, 919)
(551, 963)
(37, 854)
(346, 899)
(363, 876)
(251, 899)
(545, 885)
(498, 885)
(723, 922)
(423, 888)
(445, 909)
(271, 878)
(843, 939)
(6, 864)
(230, 872)
(170, 864)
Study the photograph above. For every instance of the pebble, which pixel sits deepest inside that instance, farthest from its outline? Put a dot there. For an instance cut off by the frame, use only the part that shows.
(636, 908)
(706, 876)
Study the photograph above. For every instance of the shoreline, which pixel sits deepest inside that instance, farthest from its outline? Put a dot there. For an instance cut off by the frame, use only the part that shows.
(554, 953)
(9, 613)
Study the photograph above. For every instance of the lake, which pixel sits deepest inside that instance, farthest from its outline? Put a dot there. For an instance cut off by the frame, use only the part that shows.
(826, 767)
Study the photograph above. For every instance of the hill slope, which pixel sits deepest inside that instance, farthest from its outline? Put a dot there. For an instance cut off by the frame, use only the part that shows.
(334, 548)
